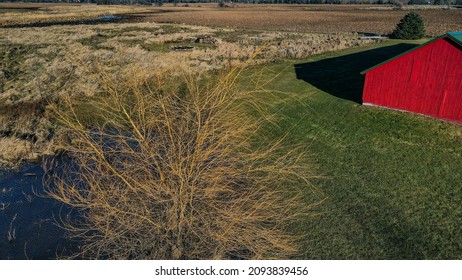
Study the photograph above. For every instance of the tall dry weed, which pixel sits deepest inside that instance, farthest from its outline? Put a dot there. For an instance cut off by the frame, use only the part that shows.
(171, 166)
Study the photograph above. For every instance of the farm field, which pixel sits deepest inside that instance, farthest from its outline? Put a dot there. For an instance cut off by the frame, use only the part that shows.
(308, 18)
(301, 18)
(389, 181)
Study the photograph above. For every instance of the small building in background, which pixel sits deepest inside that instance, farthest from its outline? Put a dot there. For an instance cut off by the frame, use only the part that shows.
(426, 80)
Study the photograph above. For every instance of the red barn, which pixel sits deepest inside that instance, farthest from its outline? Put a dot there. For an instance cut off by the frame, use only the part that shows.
(425, 80)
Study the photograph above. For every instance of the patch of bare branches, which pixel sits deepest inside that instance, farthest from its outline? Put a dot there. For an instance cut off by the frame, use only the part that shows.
(173, 166)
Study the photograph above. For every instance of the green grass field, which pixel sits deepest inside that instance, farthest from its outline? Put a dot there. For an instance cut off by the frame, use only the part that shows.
(393, 179)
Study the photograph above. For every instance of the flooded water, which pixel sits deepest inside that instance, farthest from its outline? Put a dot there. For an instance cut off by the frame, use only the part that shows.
(28, 219)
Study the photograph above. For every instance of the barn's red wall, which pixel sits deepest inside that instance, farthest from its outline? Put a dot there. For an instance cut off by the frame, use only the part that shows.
(427, 80)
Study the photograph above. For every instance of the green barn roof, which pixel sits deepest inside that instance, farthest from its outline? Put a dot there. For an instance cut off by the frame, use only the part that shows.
(455, 36)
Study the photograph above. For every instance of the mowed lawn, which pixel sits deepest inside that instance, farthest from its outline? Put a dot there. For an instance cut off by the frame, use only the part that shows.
(393, 179)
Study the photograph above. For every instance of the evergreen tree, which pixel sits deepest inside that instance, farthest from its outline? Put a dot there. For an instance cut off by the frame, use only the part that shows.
(410, 27)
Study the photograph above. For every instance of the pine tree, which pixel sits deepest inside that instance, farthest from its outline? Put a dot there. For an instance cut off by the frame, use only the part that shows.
(410, 27)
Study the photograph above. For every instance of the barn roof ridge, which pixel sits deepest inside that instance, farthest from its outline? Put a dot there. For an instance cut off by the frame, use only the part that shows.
(456, 36)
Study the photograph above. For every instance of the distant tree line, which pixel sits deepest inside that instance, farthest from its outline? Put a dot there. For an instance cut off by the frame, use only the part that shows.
(160, 2)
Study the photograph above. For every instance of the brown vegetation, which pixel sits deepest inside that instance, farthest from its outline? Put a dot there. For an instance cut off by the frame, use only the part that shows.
(311, 18)
(34, 13)
(45, 64)
(25, 132)
(378, 19)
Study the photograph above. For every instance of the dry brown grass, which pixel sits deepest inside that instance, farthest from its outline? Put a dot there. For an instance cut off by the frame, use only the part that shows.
(33, 13)
(178, 171)
(47, 63)
(13, 149)
(25, 132)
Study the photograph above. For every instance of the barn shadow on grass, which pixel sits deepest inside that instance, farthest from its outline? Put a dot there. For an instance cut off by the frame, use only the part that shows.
(340, 76)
